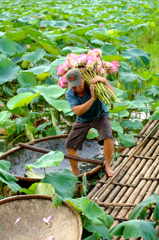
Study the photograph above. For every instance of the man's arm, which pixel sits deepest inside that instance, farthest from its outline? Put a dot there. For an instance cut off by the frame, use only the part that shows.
(103, 80)
(80, 109)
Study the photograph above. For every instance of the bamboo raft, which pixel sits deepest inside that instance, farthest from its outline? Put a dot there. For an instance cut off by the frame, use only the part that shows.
(136, 178)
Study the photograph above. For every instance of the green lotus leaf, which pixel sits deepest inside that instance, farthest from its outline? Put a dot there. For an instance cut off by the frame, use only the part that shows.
(101, 230)
(8, 71)
(34, 56)
(134, 229)
(45, 189)
(116, 127)
(61, 105)
(61, 24)
(4, 116)
(25, 19)
(94, 236)
(63, 182)
(5, 165)
(44, 23)
(92, 133)
(53, 91)
(21, 100)
(7, 47)
(127, 140)
(108, 49)
(110, 58)
(26, 79)
(92, 211)
(137, 56)
(132, 125)
(142, 205)
(77, 50)
(117, 109)
(51, 159)
(38, 70)
(17, 36)
(81, 30)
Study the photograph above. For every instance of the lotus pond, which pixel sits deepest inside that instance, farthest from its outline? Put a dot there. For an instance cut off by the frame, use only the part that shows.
(35, 38)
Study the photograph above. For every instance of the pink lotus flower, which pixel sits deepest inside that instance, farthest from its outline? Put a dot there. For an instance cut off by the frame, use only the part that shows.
(46, 220)
(100, 24)
(71, 56)
(51, 238)
(115, 63)
(18, 219)
(31, 65)
(73, 63)
(112, 70)
(63, 85)
(102, 70)
(96, 52)
(64, 67)
(41, 236)
(60, 71)
(63, 27)
(130, 7)
(28, 46)
(64, 80)
(82, 59)
(92, 60)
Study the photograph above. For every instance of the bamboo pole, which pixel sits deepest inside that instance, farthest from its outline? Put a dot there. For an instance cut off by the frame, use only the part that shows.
(106, 204)
(117, 184)
(13, 150)
(79, 159)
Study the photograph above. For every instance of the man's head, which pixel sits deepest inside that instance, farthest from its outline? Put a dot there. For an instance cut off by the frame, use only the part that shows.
(74, 77)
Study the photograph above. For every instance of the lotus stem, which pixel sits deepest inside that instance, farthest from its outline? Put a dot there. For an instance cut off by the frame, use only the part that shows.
(103, 93)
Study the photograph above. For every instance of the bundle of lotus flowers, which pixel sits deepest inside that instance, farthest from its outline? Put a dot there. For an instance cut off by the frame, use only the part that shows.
(90, 65)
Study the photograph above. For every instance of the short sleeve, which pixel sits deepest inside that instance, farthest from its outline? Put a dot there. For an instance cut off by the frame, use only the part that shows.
(72, 100)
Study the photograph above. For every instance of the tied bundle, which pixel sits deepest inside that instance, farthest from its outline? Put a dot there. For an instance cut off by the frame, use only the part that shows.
(90, 65)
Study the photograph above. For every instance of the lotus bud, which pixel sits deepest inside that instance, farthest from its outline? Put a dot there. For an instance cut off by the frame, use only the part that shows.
(102, 70)
(63, 85)
(60, 71)
(64, 67)
(73, 63)
(64, 80)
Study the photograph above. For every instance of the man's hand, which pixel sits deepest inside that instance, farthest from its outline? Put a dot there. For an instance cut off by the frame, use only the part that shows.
(98, 79)
(92, 90)
(103, 80)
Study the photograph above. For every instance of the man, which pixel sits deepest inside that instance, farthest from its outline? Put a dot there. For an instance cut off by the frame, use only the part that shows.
(91, 113)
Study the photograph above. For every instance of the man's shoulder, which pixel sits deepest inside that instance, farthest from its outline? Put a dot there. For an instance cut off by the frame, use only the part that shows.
(69, 92)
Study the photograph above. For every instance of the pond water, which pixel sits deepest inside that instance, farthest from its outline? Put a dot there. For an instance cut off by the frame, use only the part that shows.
(91, 149)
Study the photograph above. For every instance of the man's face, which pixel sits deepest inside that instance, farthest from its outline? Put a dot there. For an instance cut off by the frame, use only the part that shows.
(81, 88)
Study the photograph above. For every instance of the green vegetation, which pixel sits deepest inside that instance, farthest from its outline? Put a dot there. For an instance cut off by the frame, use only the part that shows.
(36, 37)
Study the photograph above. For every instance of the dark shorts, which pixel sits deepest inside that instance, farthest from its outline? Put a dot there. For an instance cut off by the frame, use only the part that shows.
(80, 130)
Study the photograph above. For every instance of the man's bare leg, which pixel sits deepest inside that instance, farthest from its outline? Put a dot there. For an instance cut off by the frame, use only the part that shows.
(74, 164)
(108, 152)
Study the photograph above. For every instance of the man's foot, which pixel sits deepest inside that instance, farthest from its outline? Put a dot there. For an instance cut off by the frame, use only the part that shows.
(75, 173)
(109, 170)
